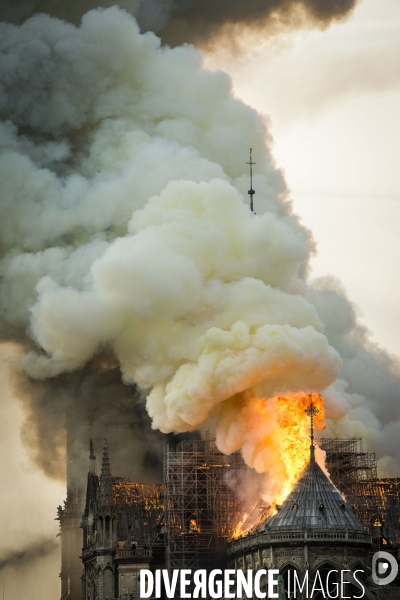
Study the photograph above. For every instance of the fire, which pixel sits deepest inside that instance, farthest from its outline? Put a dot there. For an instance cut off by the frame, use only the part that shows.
(193, 527)
(294, 427)
(240, 528)
(279, 442)
(251, 519)
(274, 437)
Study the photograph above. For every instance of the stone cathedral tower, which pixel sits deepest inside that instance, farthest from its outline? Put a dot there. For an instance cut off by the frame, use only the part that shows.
(70, 516)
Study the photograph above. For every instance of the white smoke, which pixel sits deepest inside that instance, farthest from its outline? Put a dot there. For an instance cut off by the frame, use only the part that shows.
(364, 401)
(125, 226)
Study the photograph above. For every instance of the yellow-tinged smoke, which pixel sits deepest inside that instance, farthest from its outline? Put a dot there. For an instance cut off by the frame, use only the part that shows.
(126, 234)
(273, 434)
(186, 303)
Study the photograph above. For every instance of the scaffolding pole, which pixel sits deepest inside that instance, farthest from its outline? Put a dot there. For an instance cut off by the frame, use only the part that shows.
(376, 502)
(201, 508)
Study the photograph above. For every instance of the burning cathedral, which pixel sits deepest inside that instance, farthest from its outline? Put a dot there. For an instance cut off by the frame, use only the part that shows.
(129, 250)
(196, 520)
(321, 524)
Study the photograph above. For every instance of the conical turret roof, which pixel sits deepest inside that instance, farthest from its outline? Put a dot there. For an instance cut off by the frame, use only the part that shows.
(314, 503)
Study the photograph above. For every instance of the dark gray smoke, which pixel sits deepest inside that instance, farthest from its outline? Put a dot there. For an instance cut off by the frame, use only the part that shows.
(196, 21)
(368, 389)
(89, 404)
(20, 558)
(201, 21)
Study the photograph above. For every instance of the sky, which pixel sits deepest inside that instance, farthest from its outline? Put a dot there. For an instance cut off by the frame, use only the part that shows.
(332, 98)
(28, 505)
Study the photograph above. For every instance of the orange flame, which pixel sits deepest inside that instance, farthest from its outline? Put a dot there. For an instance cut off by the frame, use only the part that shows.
(280, 437)
(250, 520)
(193, 527)
(294, 435)
(240, 528)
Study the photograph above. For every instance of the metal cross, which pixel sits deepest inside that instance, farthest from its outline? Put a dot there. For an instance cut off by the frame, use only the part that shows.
(311, 411)
(251, 192)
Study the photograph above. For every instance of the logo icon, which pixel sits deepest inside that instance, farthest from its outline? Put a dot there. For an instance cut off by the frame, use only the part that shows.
(384, 568)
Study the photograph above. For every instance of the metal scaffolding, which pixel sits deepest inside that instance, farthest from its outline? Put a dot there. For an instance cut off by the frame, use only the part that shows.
(376, 502)
(348, 465)
(385, 511)
(201, 509)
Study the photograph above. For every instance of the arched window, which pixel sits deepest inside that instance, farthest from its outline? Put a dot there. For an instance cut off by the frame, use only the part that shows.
(107, 541)
(354, 588)
(108, 583)
(329, 578)
(288, 574)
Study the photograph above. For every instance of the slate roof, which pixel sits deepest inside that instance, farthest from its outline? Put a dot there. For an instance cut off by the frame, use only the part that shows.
(314, 503)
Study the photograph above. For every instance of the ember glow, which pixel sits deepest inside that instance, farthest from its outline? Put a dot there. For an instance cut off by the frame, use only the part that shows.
(194, 528)
(240, 528)
(274, 437)
(250, 520)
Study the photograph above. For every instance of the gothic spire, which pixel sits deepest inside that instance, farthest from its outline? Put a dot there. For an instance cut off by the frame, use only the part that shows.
(106, 491)
(314, 503)
(251, 192)
(311, 411)
(92, 459)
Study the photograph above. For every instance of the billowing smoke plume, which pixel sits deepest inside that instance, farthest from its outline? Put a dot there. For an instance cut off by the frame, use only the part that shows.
(127, 241)
(364, 401)
(197, 21)
(204, 21)
(96, 404)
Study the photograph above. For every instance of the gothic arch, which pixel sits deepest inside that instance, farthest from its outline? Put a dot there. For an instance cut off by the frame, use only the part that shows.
(108, 582)
(326, 563)
(91, 579)
(288, 578)
(289, 565)
(323, 568)
(357, 565)
(361, 577)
